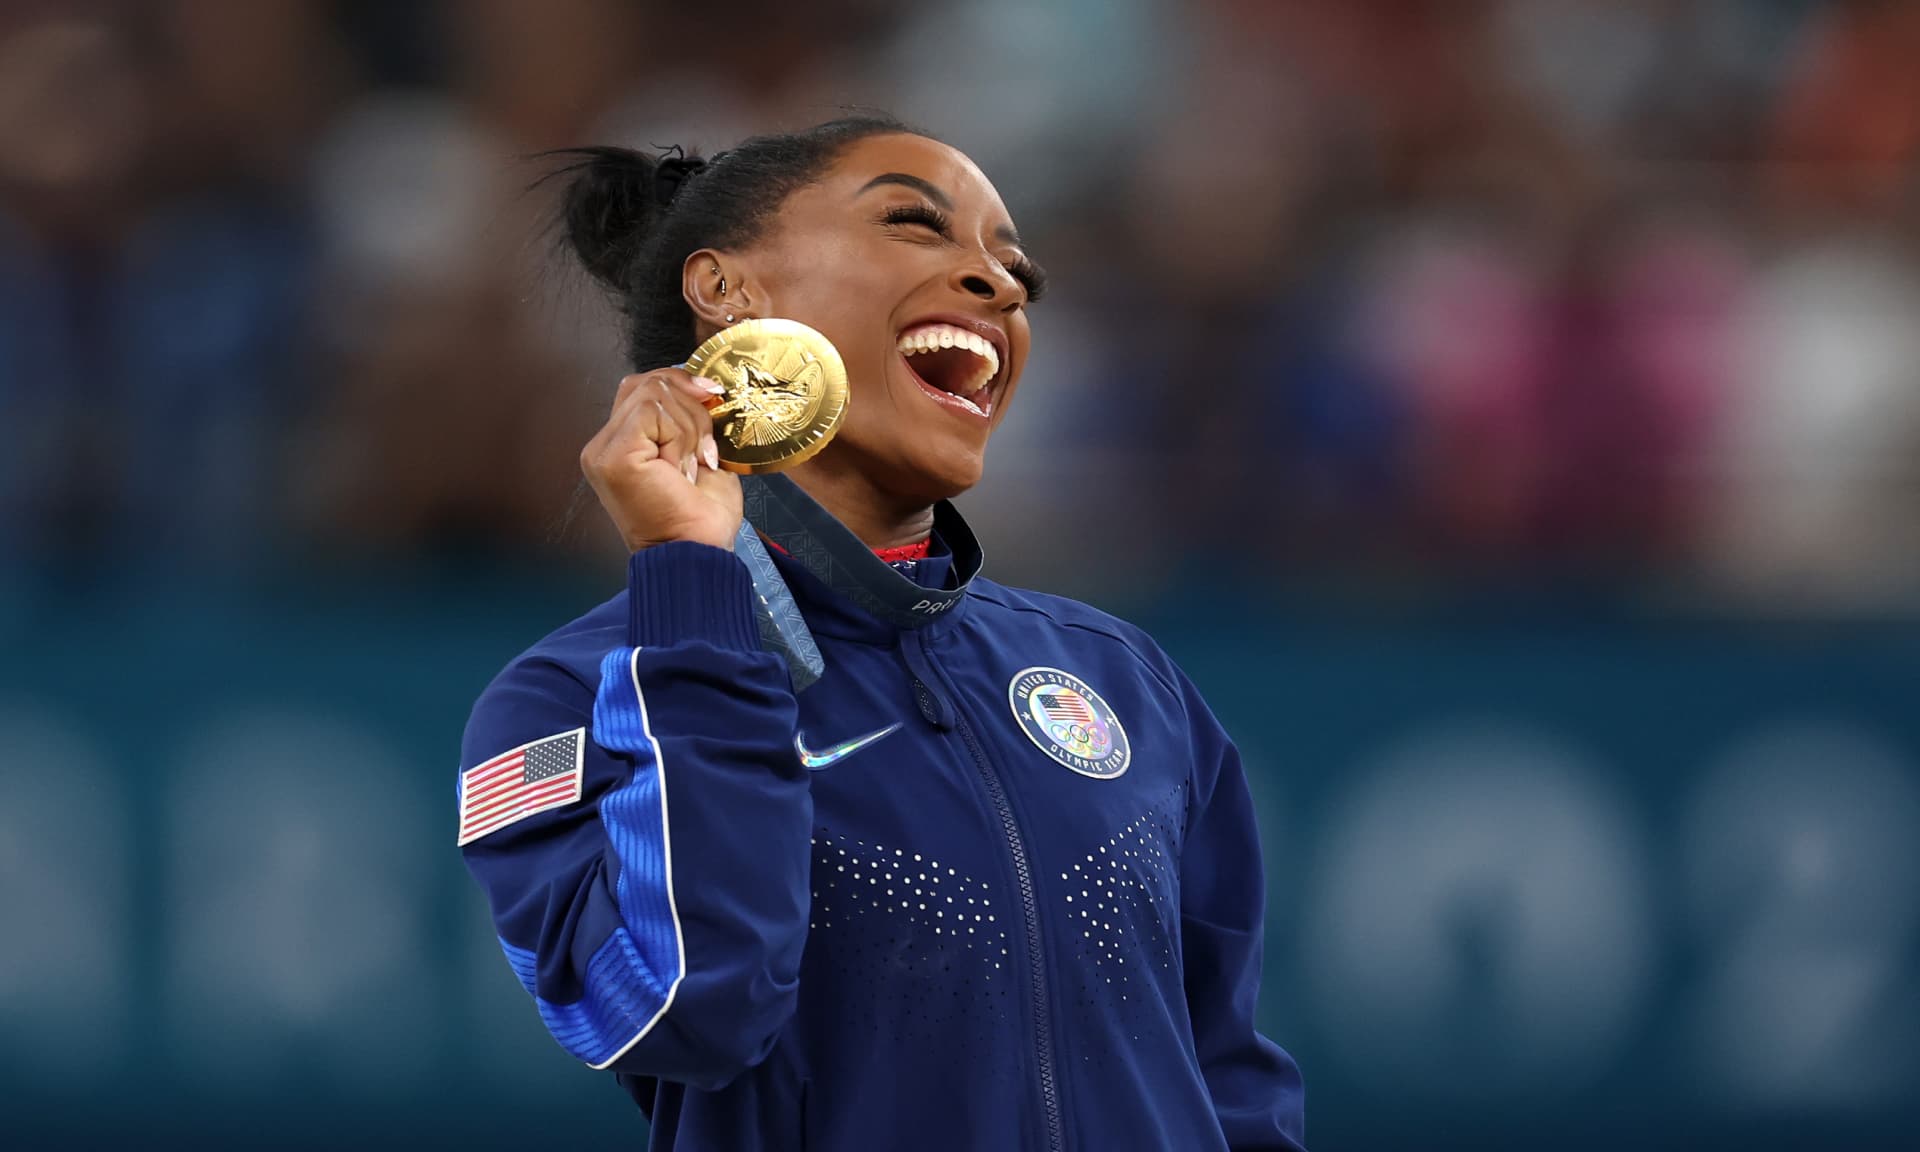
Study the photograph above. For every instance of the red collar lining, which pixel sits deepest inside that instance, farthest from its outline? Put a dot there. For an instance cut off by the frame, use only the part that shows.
(915, 551)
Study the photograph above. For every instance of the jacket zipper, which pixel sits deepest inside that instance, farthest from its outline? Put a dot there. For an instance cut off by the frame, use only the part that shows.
(1029, 904)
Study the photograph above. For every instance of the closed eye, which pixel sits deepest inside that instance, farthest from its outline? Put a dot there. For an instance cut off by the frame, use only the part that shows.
(1031, 276)
(925, 215)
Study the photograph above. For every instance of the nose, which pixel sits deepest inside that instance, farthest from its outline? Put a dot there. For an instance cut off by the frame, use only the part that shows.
(985, 278)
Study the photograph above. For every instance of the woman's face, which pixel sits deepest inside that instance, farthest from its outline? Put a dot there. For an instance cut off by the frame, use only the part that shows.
(903, 255)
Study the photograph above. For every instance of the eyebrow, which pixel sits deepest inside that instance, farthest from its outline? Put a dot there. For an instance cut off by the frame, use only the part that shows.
(1005, 233)
(930, 191)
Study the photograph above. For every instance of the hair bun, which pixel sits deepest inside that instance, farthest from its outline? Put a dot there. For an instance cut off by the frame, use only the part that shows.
(670, 172)
(614, 198)
(632, 219)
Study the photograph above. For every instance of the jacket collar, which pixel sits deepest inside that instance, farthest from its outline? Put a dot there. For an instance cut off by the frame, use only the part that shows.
(838, 562)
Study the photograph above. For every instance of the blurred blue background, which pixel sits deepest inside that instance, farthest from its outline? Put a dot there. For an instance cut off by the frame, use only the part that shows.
(1507, 410)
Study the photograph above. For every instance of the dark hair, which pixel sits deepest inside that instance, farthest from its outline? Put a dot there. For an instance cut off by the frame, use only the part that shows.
(633, 218)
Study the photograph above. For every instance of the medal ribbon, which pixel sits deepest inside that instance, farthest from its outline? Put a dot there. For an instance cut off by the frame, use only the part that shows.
(777, 509)
(782, 629)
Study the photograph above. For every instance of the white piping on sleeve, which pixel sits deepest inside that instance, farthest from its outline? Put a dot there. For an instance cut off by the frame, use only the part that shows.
(666, 841)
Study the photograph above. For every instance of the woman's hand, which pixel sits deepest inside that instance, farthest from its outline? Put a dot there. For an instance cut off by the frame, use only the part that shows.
(655, 465)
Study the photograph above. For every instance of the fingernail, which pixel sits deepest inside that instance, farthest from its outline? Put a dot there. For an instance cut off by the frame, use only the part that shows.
(710, 387)
(710, 451)
(692, 469)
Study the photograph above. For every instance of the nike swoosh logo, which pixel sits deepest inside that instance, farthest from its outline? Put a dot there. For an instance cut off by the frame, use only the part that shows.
(815, 761)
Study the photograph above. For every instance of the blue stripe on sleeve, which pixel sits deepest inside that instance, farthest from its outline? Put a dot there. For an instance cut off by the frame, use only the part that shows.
(635, 816)
(619, 999)
(631, 979)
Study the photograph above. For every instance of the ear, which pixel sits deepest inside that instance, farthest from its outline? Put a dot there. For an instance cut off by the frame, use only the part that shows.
(716, 285)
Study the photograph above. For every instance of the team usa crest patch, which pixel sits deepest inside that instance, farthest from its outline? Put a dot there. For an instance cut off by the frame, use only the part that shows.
(1069, 722)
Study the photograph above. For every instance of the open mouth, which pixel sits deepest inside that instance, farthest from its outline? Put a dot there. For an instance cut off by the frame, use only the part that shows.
(956, 367)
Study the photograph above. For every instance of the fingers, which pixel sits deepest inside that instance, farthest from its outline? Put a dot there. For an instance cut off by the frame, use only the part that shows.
(673, 415)
(657, 415)
(704, 392)
(645, 463)
(679, 445)
(700, 389)
(680, 423)
(675, 382)
(620, 446)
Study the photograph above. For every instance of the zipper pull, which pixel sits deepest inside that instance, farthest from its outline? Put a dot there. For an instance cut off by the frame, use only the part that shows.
(933, 703)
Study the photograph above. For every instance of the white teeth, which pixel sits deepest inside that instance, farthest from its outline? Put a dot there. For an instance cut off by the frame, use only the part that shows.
(932, 337)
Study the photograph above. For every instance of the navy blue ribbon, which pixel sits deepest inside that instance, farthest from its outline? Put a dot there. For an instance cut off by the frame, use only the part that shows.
(779, 510)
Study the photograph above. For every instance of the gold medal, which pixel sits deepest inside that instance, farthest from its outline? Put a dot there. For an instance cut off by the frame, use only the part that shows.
(786, 392)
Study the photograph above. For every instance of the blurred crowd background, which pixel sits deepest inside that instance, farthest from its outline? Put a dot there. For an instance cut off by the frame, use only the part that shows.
(1509, 409)
(1451, 294)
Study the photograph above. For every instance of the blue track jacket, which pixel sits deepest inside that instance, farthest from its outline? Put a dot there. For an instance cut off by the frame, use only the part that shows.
(992, 883)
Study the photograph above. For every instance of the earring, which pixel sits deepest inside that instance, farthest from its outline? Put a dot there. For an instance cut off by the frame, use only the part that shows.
(729, 317)
(723, 280)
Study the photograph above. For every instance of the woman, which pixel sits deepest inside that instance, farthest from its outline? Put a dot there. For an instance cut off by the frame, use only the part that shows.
(993, 881)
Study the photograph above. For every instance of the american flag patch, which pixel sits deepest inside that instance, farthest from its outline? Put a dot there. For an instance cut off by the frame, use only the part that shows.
(1067, 705)
(514, 785)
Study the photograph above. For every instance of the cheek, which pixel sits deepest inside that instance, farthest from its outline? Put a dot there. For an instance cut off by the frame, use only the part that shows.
(837, 287)
(848, 290)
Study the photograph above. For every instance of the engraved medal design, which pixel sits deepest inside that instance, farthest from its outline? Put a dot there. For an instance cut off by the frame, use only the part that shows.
(786, 393)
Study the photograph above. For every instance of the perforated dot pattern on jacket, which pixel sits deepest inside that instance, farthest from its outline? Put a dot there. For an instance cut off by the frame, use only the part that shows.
(1122, 899)
(924, 939)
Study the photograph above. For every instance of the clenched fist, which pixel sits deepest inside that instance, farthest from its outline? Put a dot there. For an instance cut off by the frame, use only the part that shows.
(655, 465)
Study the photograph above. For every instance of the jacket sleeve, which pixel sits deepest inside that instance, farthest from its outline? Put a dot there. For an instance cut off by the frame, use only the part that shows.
(1256, 1087)
(658, 920)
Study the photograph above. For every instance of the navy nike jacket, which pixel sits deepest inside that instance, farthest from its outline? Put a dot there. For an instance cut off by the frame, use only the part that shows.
(993, 882)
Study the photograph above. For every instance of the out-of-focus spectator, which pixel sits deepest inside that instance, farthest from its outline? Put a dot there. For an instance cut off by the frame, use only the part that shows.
(64, 207)
(1415, 292)
(1218, 185)
(1457, 322)
(1820, 460)
(1058, 106)
(158, 343)
(1849, 126)
(466, 377)
(1662, 336)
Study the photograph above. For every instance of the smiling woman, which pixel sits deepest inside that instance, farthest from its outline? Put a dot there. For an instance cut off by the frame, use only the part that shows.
(898, 247)
(1016, 902)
